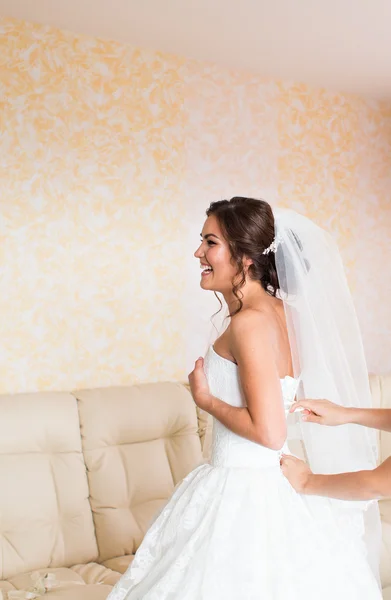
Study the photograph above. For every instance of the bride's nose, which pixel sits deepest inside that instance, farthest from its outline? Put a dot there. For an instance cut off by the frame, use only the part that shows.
(198, 253)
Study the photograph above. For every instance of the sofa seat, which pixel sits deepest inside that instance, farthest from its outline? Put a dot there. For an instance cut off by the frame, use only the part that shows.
(120, 563)
(89, 581)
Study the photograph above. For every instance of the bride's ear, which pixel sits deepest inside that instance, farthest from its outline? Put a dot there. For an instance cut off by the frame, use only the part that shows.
(247, 262)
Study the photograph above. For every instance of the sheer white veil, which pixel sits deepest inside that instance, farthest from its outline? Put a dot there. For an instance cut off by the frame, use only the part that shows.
(326, 345)
(327, 354)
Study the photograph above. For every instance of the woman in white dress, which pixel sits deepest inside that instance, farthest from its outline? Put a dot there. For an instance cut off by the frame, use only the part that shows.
(235, 529)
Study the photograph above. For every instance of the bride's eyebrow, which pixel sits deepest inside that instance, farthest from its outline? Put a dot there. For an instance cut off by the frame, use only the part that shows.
(208, 235)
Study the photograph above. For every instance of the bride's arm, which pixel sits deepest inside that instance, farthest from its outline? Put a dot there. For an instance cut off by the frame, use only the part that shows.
(263, 420)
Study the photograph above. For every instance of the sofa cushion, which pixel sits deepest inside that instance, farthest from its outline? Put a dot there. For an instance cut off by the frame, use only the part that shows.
(387, 593)
(120, 564)
(46, 518)
(138, 443)
(94, 573)
(69, 583)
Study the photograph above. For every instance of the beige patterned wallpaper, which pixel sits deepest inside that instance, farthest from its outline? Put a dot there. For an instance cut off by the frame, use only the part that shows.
(109, 157)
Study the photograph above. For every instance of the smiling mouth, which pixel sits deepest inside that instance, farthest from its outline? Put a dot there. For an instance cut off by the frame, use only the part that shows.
(206, 270)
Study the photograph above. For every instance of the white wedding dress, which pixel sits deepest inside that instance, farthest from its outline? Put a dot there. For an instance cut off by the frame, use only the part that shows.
(236, 530)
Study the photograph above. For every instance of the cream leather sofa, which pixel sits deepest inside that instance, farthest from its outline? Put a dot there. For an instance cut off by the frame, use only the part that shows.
(83, 473)
(81, 476)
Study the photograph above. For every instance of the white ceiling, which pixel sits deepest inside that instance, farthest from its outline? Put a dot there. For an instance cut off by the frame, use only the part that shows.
(341, 44)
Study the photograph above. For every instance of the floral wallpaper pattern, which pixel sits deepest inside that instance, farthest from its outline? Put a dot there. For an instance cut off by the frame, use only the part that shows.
(109, 157)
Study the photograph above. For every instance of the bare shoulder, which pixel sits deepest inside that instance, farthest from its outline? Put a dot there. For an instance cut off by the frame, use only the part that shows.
(250, 320)
(251, 326)
(254, 349)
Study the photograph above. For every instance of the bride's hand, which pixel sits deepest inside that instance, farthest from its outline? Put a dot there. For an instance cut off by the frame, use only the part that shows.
(199, 386)
(296, 471)
(322, 412)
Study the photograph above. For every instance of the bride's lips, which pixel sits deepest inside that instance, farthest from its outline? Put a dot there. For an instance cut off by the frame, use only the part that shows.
(207, 269)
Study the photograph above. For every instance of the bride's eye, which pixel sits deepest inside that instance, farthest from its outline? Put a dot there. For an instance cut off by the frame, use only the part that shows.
(210, 243)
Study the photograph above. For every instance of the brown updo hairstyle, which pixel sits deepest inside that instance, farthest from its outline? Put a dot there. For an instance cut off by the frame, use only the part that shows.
(248, 227)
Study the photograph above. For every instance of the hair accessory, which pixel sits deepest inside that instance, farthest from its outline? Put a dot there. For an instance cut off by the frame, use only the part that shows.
(271, 248)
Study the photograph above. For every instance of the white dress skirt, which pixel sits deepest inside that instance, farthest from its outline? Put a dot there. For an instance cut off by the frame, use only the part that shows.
(235, 529)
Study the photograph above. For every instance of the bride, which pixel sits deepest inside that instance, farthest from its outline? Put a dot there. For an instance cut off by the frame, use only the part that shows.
(235, 529)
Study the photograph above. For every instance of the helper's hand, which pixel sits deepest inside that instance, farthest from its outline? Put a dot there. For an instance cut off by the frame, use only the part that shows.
(296, 471)
(322, 412)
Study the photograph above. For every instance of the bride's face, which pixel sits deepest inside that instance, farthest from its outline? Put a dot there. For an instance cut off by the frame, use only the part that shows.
(218, 268)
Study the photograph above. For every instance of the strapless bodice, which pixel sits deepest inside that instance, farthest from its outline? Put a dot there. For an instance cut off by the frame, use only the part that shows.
(230, 449)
